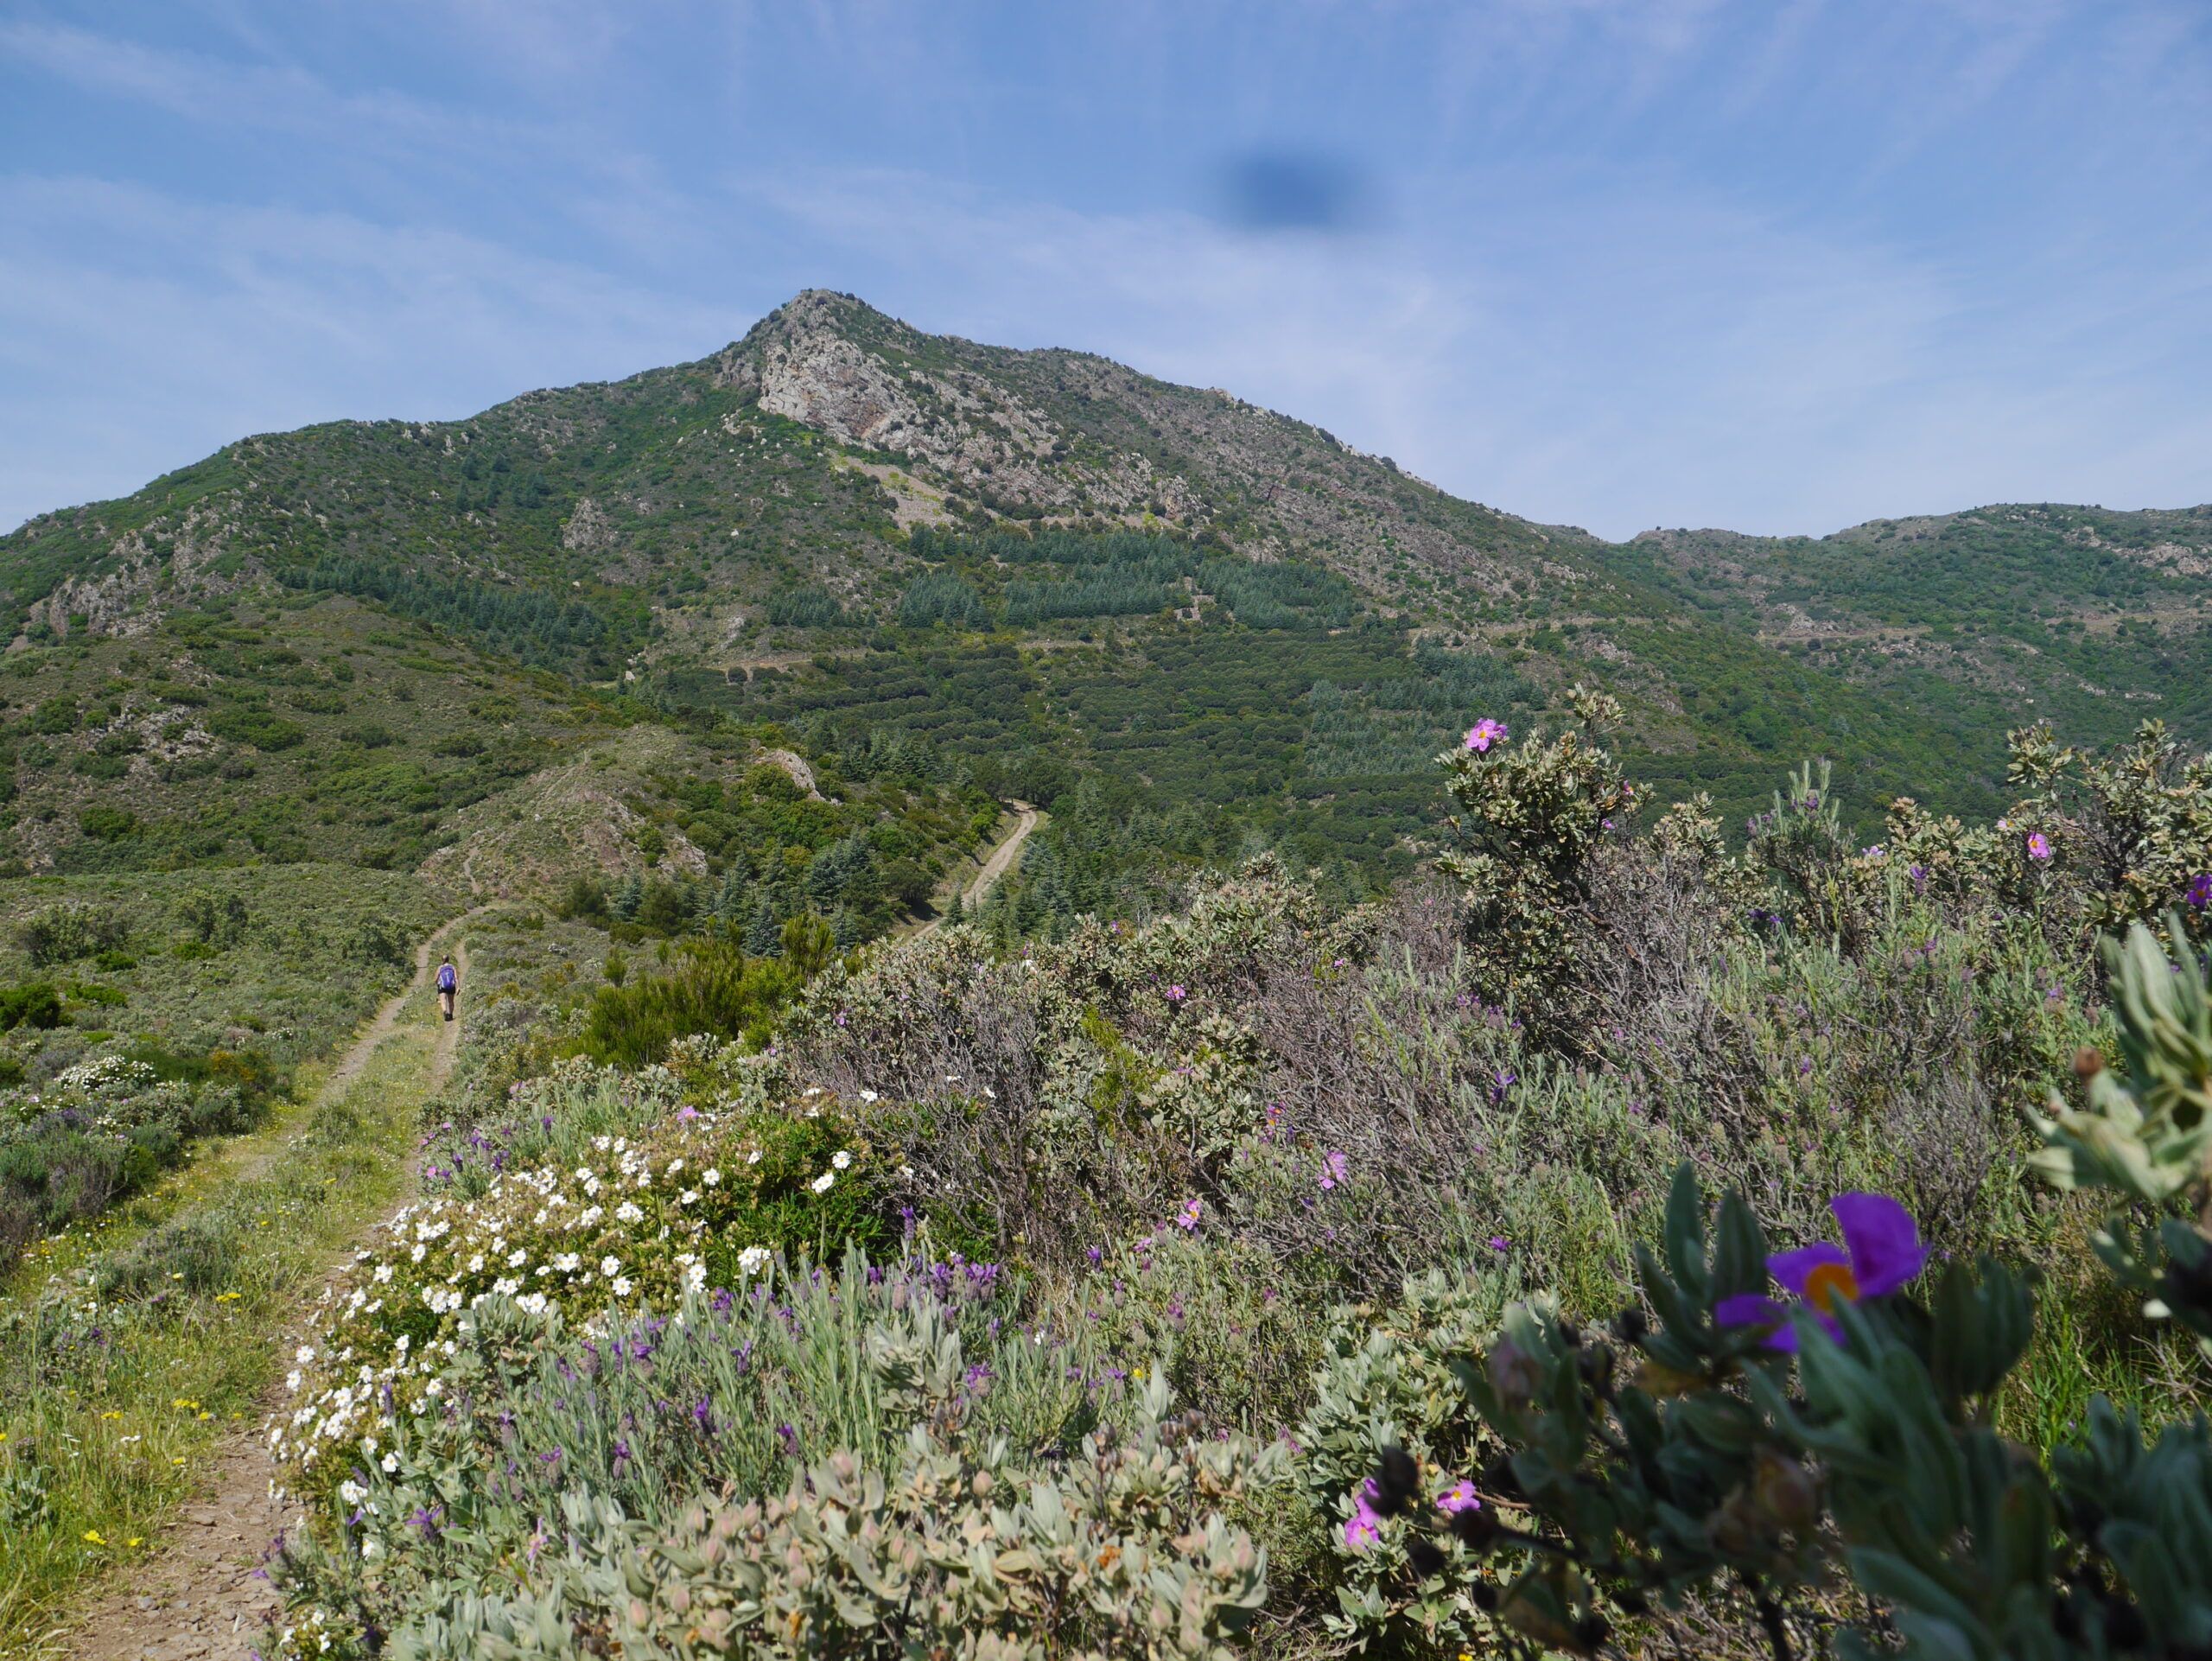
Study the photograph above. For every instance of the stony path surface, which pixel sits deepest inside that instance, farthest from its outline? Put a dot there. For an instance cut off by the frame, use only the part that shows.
(205, 1596)
(1002, 857)
(1000, 862)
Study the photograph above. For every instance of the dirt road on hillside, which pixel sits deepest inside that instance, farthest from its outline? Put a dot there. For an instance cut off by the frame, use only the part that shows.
(1000, 862)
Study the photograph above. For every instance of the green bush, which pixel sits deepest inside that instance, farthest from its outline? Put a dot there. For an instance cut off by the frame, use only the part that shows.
(34, 1003)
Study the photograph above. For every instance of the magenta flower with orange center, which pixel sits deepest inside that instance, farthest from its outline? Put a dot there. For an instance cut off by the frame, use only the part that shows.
(1881, 1252)
(1484, 733)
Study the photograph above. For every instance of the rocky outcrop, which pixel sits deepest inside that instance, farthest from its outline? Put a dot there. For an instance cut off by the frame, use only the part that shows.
(145, 567)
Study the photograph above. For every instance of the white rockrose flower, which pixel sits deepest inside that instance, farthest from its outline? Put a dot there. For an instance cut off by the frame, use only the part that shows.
(821, 1183)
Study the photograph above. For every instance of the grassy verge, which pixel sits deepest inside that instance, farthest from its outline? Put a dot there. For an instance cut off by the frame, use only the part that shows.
(131, 1354)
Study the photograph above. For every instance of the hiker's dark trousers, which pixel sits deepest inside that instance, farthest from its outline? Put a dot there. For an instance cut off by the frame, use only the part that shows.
(445, 1002)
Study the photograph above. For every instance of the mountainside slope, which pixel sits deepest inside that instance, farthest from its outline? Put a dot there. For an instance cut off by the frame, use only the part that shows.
(1042, 574)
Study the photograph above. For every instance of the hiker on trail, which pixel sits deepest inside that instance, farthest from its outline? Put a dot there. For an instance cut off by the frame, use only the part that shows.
(449, 981)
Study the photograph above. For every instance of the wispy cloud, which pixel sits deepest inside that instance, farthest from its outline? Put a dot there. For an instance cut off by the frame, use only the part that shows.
(1644, 261)
(159, 327)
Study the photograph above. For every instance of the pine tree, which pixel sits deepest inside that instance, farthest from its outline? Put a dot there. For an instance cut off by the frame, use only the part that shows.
(627, 897)
(729, 899)
(762, 934)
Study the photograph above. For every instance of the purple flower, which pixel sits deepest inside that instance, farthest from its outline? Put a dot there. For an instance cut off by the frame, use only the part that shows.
(1484, 733)
(1333, 1168)
(1364, 1526)
(1177, 993)
(688, 1111)
(1499, 1243)
(2200, 891)
(1187, 1219)
(1459, 1497)
(2038, 845)
(1881, 1251)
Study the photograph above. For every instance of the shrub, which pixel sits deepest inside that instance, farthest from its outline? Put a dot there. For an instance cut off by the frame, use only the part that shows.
(263, 731)
(62, 934)
(34, 1003)
(704, 1200)
(1732, 1436)
(714, 988)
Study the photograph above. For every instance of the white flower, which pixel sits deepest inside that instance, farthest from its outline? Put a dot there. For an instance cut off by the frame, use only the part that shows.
(622, 1286)
(870, 1096)
(383, 1274)
(752, 1260)
(610, 1265)
(417, 1255)
(753, 1158)
(305, 1355)
(811, 1090)
(674, 1165)
(821, 1183)
(712, 1179)
(292, 1379)
(351, 1491)
(517, 1258)
(841, 1159)
(688, 1197)
(626, 1212)
(390, 1463)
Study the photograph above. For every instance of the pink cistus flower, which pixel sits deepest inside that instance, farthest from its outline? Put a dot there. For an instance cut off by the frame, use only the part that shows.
(1177, 993)
(2200, 891)
(2038, 845)
(1188, 1216)
(1459, 1497)
(1333, 1168)
(1881, 1252)
(1364, 1526)
(1484, 733)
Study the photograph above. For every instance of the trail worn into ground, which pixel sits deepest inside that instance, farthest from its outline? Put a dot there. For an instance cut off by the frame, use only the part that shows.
(1000, 862)
(205, 1596)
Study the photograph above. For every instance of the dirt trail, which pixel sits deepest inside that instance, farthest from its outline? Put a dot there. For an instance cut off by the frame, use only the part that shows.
(1000, 862)
(205, 1596)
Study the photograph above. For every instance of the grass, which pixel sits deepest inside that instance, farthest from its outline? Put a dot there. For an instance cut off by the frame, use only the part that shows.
(118, 1409)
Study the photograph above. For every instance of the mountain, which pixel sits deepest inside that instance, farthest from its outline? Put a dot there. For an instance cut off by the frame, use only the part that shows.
(1179, 620)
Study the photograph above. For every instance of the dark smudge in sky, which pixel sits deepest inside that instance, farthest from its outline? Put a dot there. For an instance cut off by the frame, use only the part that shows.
(1294, 190)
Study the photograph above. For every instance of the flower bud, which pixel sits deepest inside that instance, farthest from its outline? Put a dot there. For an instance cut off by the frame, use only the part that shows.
(1513, 1373)
(2089, 1062)
(1786, 1491)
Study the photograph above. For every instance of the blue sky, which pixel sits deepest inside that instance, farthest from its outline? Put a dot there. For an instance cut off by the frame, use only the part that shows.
(1777, 266)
